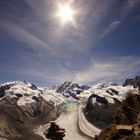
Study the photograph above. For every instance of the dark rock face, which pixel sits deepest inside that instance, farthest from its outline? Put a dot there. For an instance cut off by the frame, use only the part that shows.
(19, 95)
(19, 121)
(112, 91)
(3, 88)
(55, 132)
(135, 82)
(2, 92)
(128, 111)
(101, 112)
(126, 121)
(35, 98)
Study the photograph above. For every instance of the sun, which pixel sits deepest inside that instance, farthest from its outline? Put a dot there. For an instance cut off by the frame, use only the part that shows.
(65, 13)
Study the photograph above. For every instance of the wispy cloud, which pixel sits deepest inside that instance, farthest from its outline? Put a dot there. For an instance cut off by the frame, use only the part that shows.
(105, 71)
(19, 33)
(117, 68)
(126, 9)
(112, 26)
(64, 52)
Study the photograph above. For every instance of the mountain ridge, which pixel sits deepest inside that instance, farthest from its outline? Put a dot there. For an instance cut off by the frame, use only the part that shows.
(25, 106)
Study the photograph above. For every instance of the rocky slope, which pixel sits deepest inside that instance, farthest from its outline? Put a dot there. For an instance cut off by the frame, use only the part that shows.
(126, 121)
(103, 100)
(135, 82)
(23, 106)
(100, 114)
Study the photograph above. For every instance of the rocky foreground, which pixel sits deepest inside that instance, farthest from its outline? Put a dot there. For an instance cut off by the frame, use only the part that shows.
(126, 117)
(126, 124)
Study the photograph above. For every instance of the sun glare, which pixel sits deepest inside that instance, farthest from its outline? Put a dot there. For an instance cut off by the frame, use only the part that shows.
(65, 13)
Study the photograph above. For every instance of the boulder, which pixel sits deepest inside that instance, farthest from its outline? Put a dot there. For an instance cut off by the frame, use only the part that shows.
(55, 132)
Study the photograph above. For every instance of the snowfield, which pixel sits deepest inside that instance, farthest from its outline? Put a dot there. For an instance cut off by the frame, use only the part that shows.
(101, 90)
(70, 120)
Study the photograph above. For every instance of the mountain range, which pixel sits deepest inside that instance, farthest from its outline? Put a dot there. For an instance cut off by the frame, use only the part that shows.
(24, 107)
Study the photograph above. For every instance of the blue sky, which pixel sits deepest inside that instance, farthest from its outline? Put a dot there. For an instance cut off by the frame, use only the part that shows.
(103, 43)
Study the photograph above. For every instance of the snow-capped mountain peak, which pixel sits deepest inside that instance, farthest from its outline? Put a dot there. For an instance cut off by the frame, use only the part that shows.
(23, 103)
(27, 93)
(108, 91)
(71, 89)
